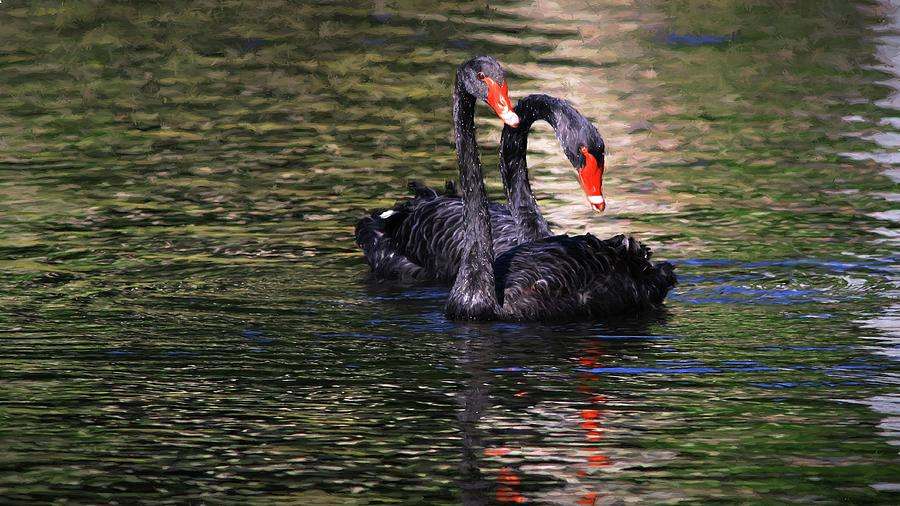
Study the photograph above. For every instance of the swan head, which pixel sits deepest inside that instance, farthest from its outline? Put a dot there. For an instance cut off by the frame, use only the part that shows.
(579, 138)
(590, 175)
(483, 78)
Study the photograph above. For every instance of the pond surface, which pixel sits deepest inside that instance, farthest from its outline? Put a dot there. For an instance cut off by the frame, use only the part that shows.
(185, 317)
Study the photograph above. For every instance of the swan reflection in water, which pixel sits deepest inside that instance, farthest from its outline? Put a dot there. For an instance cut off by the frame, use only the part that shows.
(507, 434)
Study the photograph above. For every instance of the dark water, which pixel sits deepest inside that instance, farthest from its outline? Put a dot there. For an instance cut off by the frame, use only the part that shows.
(185, 318)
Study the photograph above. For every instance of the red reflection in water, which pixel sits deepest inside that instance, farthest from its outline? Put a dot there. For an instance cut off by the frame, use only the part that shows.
(589, 499)
(505, 491)
(592, 418)
(591, 422)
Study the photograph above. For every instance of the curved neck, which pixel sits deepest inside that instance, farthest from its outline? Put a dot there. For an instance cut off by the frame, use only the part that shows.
(473, 295)
(530, 223)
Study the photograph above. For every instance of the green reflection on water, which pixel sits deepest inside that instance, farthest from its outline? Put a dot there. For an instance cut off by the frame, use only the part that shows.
(185, 316)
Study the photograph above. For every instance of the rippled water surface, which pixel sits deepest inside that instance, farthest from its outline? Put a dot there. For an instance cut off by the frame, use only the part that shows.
(185, 317)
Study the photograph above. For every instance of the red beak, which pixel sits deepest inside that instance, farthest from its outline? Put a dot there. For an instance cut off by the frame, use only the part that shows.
(591, 179)
(498, 99)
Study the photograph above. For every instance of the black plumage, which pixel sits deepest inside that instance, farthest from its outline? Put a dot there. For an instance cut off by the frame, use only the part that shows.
(423, 238)
(519, 273)
(578, 277)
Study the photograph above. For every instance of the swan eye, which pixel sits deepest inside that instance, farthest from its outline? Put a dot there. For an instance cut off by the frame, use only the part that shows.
(481, 76)
(584, 150)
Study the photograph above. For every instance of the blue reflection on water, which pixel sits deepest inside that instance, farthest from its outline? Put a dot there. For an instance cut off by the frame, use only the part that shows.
(699, 40)
(704, 261)
(650, 370)
(881, 264)
(727, 287)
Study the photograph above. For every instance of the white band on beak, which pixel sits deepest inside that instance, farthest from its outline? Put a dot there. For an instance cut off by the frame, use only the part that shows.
(510, 118)
(596, 199)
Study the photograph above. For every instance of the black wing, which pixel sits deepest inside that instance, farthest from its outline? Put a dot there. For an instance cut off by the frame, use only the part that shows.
(563, 277)
(423, 238)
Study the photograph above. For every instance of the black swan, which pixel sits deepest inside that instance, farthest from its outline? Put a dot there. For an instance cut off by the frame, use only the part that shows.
(422, 238)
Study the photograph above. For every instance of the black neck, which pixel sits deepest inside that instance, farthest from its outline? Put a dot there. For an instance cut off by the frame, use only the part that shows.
(530, 223)
(473, 295)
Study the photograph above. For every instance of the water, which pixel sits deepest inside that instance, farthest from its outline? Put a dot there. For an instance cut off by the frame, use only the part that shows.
(186, 319)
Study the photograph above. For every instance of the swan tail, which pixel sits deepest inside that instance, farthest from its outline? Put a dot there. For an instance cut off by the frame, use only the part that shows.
(421, 190)
(450, 189)
(650, 282)
(381, 253)
(630, 248)
(660, 278)
(655, 280)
